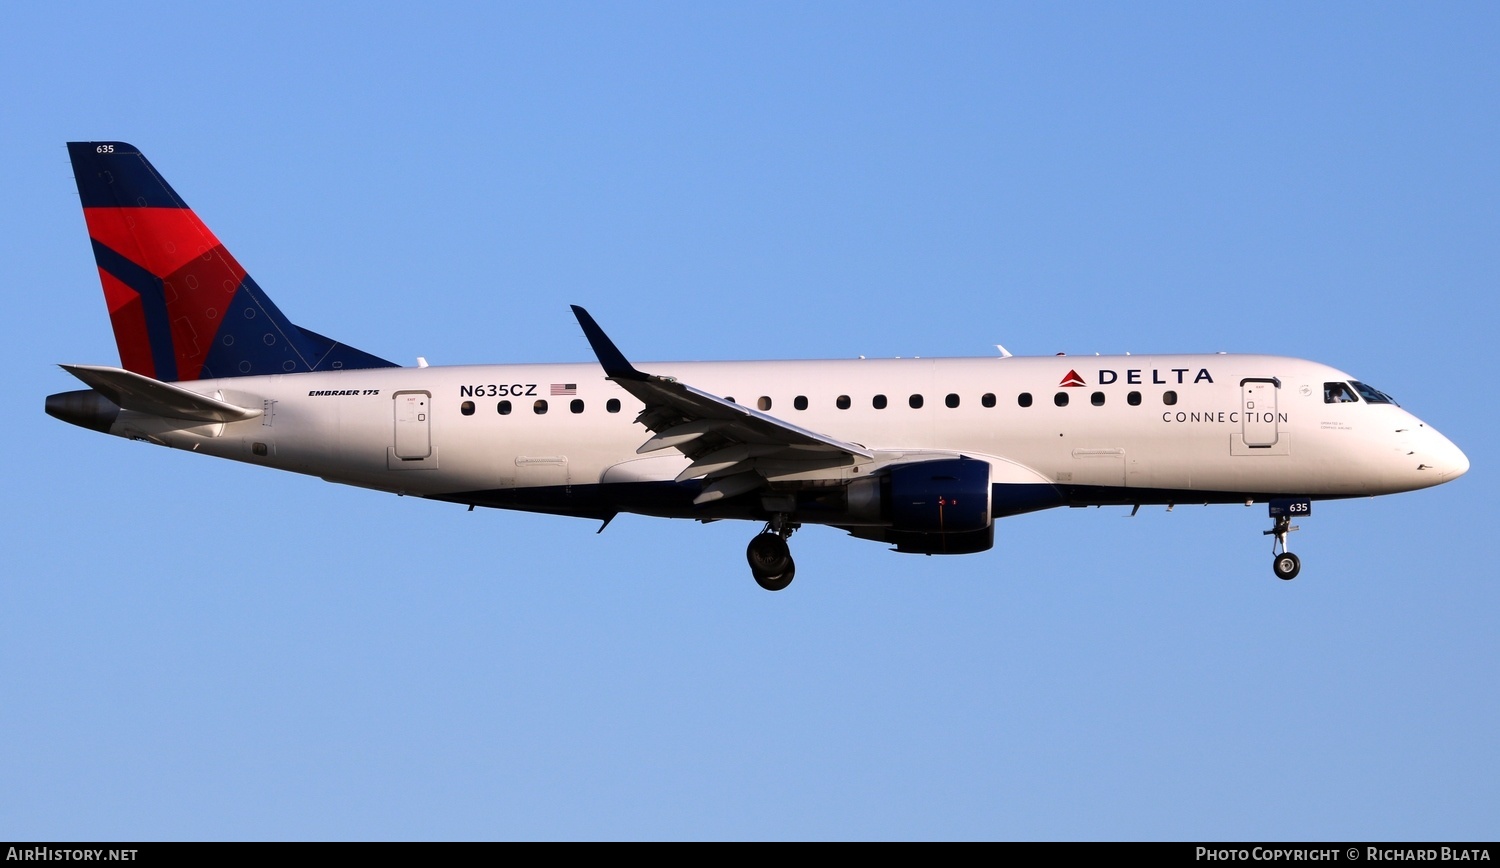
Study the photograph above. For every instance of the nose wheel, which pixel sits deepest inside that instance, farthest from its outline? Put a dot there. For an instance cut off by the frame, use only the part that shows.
(770, 557)
(1284, 564)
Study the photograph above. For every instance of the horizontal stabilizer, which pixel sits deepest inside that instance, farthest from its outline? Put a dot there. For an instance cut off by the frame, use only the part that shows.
(142, 394)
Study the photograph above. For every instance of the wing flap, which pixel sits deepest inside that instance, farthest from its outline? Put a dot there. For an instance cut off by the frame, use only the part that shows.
(729, 486)
(677, 435)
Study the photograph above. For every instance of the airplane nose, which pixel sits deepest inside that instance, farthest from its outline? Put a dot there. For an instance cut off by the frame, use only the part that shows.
(1451, 462)
(1459, 464)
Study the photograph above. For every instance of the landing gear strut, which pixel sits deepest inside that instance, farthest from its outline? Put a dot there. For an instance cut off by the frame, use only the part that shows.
(1285, 564)
(769, 556)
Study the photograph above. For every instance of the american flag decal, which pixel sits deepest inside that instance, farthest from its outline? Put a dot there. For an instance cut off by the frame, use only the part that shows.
(564, 389)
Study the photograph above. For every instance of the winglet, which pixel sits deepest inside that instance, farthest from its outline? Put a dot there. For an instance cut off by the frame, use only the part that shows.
(616, 366)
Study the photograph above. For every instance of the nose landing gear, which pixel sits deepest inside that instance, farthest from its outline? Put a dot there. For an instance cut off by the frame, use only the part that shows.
(770, 557)
(1285, 564)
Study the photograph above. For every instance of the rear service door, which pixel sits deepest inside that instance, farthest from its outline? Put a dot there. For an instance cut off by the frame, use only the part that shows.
(413, 425)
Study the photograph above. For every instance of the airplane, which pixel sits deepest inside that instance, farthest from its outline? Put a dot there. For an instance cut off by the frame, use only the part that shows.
(924, 455)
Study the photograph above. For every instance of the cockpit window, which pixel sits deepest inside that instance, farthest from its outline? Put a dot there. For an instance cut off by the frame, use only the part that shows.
(1370, 394)
(1338, 393)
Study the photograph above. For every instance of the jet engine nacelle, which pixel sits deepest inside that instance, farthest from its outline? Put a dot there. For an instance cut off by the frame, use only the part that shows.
(940, 506)
(945, 496)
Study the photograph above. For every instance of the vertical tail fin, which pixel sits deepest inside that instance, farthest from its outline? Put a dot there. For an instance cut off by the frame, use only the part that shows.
(182, 307)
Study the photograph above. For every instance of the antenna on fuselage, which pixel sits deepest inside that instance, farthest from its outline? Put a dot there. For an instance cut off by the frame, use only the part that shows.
(1004, 353)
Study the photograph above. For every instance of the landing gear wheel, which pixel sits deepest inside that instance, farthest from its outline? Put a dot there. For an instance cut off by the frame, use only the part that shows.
(1286, 566)
(770, 561)
(775, 583)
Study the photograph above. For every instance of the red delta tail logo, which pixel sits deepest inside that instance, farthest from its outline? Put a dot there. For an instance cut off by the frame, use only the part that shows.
(1072, 379)
(181, 306)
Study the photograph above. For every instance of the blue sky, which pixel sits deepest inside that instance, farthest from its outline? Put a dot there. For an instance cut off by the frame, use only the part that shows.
(199, 649)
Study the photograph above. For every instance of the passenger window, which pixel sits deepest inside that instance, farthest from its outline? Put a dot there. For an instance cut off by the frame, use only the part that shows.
(466, 408)
(915, 401)
(1133, 399)
(988, 400)
(842, 402)
(951, 401)
(1097, 399)
(1338, 393)
(1060, 399)
(612, 405)
(503, 408)
(878, 402)
(539, 407)
(1024, 399)
(763, 403)
(800, 402)
(576, 406)
(1169, 398)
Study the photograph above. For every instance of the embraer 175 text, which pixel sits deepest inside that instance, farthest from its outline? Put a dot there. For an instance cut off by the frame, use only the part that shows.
(922, 454)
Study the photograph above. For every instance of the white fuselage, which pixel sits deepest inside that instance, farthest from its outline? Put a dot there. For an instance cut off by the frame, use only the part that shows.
(1135, 429)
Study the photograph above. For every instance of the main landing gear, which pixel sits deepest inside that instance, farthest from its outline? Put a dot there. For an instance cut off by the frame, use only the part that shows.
(770, 557)
(1285, 564)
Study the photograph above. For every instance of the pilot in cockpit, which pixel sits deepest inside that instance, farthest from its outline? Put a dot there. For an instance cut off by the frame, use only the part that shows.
(1338, 393)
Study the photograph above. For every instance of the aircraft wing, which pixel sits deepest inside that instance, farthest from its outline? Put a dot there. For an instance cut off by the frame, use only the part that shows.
(142, 394)
(735, 448)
